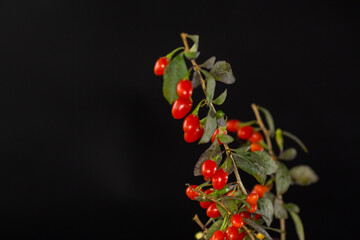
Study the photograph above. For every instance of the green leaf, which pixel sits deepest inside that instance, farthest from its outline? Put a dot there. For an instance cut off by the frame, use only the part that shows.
(303, 175)
(214, 227)
(191, 55)
(298, 225)
(242, 149)
(195, 39)
(296, 139)
(282, 179)
(195, 81)
(288, 155)
(292, 207)
(252, 164)
(210, 85)
(279, 139)
(269, 120)
(268, 162)
(258, 228)
(224, 138)
(279, 210)
(222, 72)
(266, 210)
(220, 99)
(229, 204)
(210, 153)
(174, 72)
(208, 64)
(210, 127)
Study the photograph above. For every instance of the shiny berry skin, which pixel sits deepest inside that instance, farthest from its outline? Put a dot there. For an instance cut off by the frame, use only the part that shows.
(237, 221)
(245, 215)
(219, 114)
(216, 132)
(205, 205)
(181, 107)
(242, 235)
(256, 137)
(252, 198)
(193, 137)
(257, 216)
(160, 66)
(208, 168)
(259, 189)
(220, 179)
(191, 193)
(191, 123)
(232, 233)
(245, 132)
(233, 125)
(252, 209)
(256, 147)
(184, 89)
(212, 211)
(218, 235)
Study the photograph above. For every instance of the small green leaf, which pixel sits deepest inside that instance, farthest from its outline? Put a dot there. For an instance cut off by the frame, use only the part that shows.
(174, 72)
(298, 225)
(224, 138)
(296, 139)
(230, 204)
(279, 139)
(214, 227)
(214, 151)
(242, 149)
(195, 81)
(222, 72)
(252, 164)
(279, 210)
(210, 127)
(258, 228)
(191, 55)
(208, 64)
(266, 210)
(210, 85)
(282, 179)
(220, 99)
(268, 162)
(303, 175)
(171, 54)
(292, 207)
(269, 120)
(195, 39)
(288, 155)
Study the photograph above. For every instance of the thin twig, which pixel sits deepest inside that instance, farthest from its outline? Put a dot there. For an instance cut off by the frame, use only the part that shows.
(249, 233)
(282, 222)
(198, 221)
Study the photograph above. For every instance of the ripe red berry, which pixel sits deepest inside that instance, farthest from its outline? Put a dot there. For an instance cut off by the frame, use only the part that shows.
(252, 198)
(212, 211)
(192, 137)
(252, 209)
(205, 205)
(257, 216)
(160, 66)
(256, 147)
(242, 235)
(190, 192)
(220, 179)
(184, 89)
(245, 132)
(256, 137)
(181, 107)
(245, 215)
(208, 168)
(191, 123)
(259, 189)
(232, 233)
(237, 221)
(218, 235)
(216, 132)
(233, 125)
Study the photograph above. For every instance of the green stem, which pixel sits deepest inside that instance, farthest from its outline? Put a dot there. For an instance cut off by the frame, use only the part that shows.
(170, 55)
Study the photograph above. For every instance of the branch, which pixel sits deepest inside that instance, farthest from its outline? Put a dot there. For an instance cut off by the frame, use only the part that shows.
(249, 233)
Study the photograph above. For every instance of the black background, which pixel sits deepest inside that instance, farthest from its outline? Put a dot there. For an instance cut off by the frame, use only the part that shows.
(89, 149)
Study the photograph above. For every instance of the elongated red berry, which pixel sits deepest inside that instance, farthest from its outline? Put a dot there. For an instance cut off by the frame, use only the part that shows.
(245, 215)
(241, 235)
(193, 137)
(259, 189)
(252, 198)
(160, 66)
(191, 193)
(220, 179)
(208, 168)
(184, 89)
(191, 123)
(216, 132)
(257, 216)
(218, 235)
(205, 205)
(237, 221)
(256, 137)
(212, 211)
(245, 132)
(256, 147)
(233, 125)
(252, 209)
(232, 233)
(181, 107)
